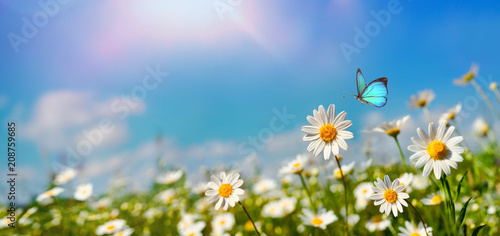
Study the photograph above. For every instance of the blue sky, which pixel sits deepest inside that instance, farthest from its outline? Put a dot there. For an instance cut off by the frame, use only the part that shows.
(226, 75)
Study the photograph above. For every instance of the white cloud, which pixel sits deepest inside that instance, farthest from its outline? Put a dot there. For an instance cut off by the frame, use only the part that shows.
(60, 118)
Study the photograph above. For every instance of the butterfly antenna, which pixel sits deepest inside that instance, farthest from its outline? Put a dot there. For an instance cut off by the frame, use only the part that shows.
(346, 95)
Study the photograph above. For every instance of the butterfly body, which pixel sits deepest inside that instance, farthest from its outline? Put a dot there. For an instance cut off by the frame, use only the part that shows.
(372, 94)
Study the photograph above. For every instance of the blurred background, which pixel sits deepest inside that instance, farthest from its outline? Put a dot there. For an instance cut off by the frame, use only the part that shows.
(115, 88)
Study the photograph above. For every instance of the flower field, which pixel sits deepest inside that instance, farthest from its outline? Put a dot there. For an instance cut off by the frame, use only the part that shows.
(441, 186)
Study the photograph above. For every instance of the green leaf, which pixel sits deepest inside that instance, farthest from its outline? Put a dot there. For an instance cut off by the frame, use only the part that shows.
(460, 186)
(476, 230)
(461, 217)
(451, 204)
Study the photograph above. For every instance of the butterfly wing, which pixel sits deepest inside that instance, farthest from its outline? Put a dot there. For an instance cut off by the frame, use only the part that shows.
(360, 82)
(375, 92)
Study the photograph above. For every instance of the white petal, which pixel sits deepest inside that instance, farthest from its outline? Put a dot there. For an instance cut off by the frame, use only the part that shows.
(219, 203)
(422, 161)
(342, 144)
(340, 117)
(437, 170)
(328, 151)
(215, 180)
(309, 137)
(440, 131)
(211, 192)
(310, 129)
(314, 121)
(454, 141)
(423, 135)
(432, 131)
(212, 185)
(448, 134)
(345, 134)
(331, 114)
(335, 148)
(427, 168)
(320, 148)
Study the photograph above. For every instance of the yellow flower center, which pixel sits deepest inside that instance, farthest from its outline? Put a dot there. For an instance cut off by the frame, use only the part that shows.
(437, 150)
(191, 234)
(421, 103)
(296, 165)
(414, 234)
(120, 233)
(376, 219)
(365, 191)
(469, 76)
(390, 195)
(437, 199)
(451, 116)
(248, 226)
(111, 227)
(316, 221)
(338, 174)
(393, 132)
(225, 190)
(222, 222)
(327, 132)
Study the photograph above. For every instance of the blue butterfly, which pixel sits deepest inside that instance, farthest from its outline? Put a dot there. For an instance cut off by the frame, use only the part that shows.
(374, 93)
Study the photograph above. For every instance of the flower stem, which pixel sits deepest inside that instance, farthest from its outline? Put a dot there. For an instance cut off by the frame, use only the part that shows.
(419, 216)
(485, 98)
(497, 94)
(308, 193)
(427, 113)
(345, 197)
(250, 218)
(400, 152)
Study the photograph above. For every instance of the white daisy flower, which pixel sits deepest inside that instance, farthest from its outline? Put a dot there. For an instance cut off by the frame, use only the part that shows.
(273, 209)
(406, 179)
(327, 132)
(377, 223)
(411, 230)
(467, 77)
(288, 204)
(110, 227)
(480, 127)
(389, 195)
(419, 182)
(422, 99)
(124, 232)
(200, 188)
(166, 196)
(186, 221)
(392, 128)
(83, 192)
(65, 176)
(263, 186)
(346, 169)
(450, 114)
(437, 152)
(296, 166)
(47, 197)
(102, 203)
(432, 199)
(494, 86)
(225, 190)
(170, 177)
(280, 208)
(363, 192)
(194, 229)
(223, 222)
(352, 220)
(319, 220)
